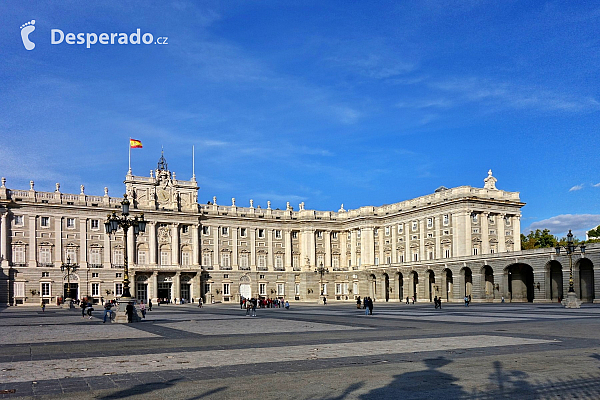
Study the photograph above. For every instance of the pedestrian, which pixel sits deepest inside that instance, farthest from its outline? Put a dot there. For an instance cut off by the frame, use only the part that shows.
(253, 301)
(248, 308)
(370, 306)
(440, 302)
(287, 305)
(143, 309)
(413, 299)
(83, 305)
(406, 299)
(89, 310)
(466, 301)
(241, 302)
(358, 302)
(503, 299)
(129, 311)
(324, 300)
(199, 302)
(149, 304)
(366, 305)
(107, 311)
(43, 305)
(435, 302)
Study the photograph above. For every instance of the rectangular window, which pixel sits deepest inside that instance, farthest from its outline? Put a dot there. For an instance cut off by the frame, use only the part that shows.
(475, 218)
(355, 288)
(118, 275)
(206, 230)
(401, 257)
(261, 276)
(296, 261)
(492, 250)
(70, 223)
(94, 224)
(225, 231)
(45, 222)
(376, 260)
(297, 289)
(207, 288)
(45, 289)
(206, 259)
(324, 289)
(95, 289)
(142, 257)
(225, 259)
(261, 233)
(387, 231)
(447, 253)
(446, 219)
(446, 232)
(118, 257)
(243, 232)
(338, 288)
(165, 257)
(430, 235)
(262, 261)
(475, 251)
(95, 274)
(507, 220)
(415, 224)
(430, 223)
(475, 230)
(416, 257)
(18, 254)
(294, 235)
(185, 258)
(334, 235)
(375, 232)
(400, 228)
(335, 262)
(118, 289)
(280, 289)
(491, 219)
(320, 259)
(45, 255)
(244, 260)
(185, 229)
(431, 255)
(277, 234)
(45, 274)
(95, 258)
(389, 259)
(262, 289)
(358, 234)
(18, 220)
(279, 262)
(319, 234)
(19, 289)
(492, 231)
(358, 261)
(226, 291)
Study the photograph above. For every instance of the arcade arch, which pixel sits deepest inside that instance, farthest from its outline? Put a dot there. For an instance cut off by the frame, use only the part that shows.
(487, 273)
(555, 279)
(586, 279)
(520, 282)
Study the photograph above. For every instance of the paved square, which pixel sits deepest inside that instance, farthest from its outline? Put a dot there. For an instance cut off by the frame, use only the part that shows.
(308, 352)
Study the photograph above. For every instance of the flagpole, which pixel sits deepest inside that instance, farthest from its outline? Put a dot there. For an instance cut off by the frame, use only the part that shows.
(129, 155)
(193, 162)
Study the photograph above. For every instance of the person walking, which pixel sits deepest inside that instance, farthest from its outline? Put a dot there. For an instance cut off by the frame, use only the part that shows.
(89, 310)
(43, 305)
(440, 302)
(248, 307)
(149, 304)
(358, 302)
(253, 301)
(324, 300)
(107, 311)
(466, 301)
(143, 309)
(199, 302)
(406, 299)
(83, 306)
(435, 302)
(370, 306)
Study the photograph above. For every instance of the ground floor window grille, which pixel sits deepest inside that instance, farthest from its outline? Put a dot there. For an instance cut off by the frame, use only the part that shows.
(118, 289)
(297, 289)
(262, 289)
(226, 291)
(95, 289)
(19, 288)
(45, 289)
(280, 289)
(18, 255)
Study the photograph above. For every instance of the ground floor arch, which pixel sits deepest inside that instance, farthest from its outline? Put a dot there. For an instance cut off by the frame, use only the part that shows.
(400, 286)
(430, 291)
(520, 282)
(449, 284)
(586, 279)
(414, 287)
(487, 274)
(467, 282)
(555, 280)
(386, 284)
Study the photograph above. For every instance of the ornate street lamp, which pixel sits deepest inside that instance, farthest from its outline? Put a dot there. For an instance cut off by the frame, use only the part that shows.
(112, 224)
(321, 271)
(69, 268)
(571, 301)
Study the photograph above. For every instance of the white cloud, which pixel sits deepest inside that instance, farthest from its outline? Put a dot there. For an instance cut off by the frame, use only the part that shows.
(596, 185)
(576, 188)
(559, 225)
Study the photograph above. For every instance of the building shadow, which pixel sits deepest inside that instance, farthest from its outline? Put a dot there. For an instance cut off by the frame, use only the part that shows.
(209, 393)
(140, 389)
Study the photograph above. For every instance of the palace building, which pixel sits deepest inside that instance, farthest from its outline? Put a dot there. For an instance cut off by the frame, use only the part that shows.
(451, 243)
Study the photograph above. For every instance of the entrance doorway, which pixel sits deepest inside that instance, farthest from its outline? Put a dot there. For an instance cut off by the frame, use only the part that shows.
(520, 282)
(246, 291)
(556, 281)
(387, 286)
(586, 279)
(400, 286)
(72, 292)
(185, 292)
(164, 291)
(141, 292)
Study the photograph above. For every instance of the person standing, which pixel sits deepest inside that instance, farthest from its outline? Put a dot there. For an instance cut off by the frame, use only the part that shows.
(43, 305)
(107, 311)
(83, 306)
(370, 306)
(149, 304)
(466, 301)
(129, 312)
(143, 309)
(253, 301)
(324, 300)
(435, 302)
(358, 302)
(406, 299)
(248, 308)
(199, 302)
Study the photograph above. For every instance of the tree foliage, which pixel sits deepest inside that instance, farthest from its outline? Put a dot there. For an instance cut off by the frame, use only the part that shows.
(538, 239)
(594, 235)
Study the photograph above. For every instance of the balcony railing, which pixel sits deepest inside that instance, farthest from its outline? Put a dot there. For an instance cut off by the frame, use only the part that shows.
(244, 268)
(45, 264)
(95, 265)
(19, 264)
(120, 266)
(221, 268)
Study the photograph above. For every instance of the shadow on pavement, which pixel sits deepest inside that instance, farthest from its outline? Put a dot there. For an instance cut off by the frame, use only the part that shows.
(209, 393)
(141, 388)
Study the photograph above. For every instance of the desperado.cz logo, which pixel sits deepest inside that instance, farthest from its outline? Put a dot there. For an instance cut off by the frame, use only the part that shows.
(57, 36)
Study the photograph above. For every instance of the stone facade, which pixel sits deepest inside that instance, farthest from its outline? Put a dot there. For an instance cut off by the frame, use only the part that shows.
(450, 243)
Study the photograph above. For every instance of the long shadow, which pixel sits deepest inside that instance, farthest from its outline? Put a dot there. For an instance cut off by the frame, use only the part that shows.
(349, 389)
(141, 389)
(429, 383)
(209, 393)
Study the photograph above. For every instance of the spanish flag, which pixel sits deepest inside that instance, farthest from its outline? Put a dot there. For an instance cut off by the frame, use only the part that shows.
(135, 144)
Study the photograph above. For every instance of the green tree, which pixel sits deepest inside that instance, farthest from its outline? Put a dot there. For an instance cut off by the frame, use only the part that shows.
(538, 239)
(594, 235)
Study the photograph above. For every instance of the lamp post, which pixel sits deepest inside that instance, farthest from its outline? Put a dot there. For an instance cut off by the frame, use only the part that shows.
(321, 271)
(112, 224)
(69, 268)
(571, 301)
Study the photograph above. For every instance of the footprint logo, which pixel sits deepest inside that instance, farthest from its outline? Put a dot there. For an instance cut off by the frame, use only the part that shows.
(26, 29)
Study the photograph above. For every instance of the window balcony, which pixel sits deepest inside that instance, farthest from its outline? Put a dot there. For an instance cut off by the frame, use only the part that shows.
(119, 266)
(279, 269)
(19, 264)
(262, 269)
(221, 268)
(95, 265)
(45, 264)
(244, 268)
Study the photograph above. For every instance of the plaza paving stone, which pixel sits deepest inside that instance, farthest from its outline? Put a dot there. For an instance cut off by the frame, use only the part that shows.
(486, 351)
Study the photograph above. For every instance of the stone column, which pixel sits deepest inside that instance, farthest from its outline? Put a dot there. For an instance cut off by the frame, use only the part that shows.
(381, 234)
(407, 251)
(485, 233)
(367, 246)
(32, 241)
(152, 243)
(252, 232)
(131, 248)
(353, 247)
(438, 237)
(517, 232)
(176, 289)
(83, 247)
(270, 249)
(4, 239)
(216, 254)
(107, 255)
(234, 247)
(58, 257)
(195, 244)
(287, 242)
(394, 232)
(153, 286)
(327, 240)
(501, 233)
(468, 234)
(422, 235)
(175, 244)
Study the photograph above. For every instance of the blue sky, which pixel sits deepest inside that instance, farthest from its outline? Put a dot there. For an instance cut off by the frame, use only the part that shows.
(361, 103)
